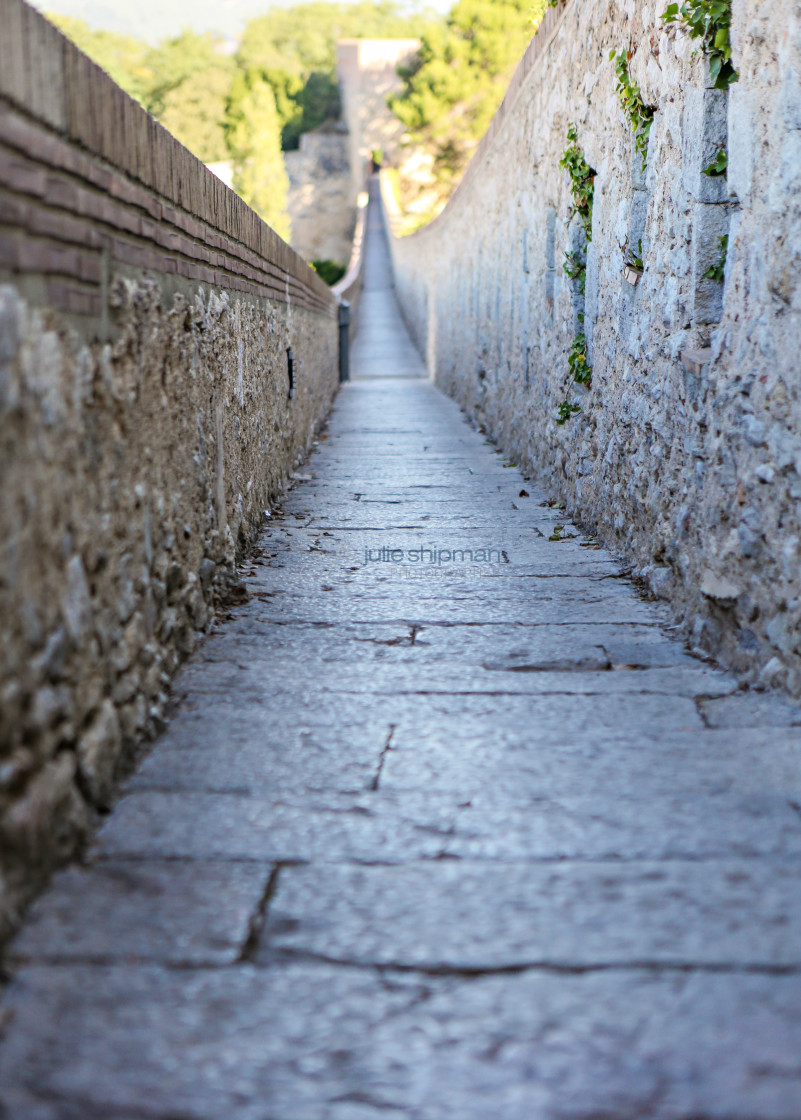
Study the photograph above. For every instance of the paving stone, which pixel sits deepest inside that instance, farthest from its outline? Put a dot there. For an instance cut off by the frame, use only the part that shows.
(581, 915)
(325, 1043)
(183, 914)
(211, 826)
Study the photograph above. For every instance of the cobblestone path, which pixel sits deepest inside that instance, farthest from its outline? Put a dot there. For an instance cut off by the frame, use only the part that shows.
(429, 841)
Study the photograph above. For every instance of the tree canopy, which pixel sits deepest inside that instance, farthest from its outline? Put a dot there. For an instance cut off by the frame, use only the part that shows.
(454, 87)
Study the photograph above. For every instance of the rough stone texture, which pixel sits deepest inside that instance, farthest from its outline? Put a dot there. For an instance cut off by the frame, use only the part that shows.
(145, 427)
(429, 839)
(691, 469)
(320, 204)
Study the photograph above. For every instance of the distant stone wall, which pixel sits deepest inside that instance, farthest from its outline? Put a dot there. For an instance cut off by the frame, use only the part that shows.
(368, 74)
(686, 452)
(321, 209)
(146, 425)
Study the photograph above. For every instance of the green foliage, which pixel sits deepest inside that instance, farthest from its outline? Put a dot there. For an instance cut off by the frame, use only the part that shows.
(302, 39)
(125, 59)
(718, 166)
(634, 260)
(566, 410)
(294, 49)
(582, 180)
(254, 141)
(718, 271)
(329, 271)
(577, 361)
(454, 87)
(194, 112)
(184, 82)
(176, 60)
(191, 85)
(576, 269)
(709, 21)
(640, 115)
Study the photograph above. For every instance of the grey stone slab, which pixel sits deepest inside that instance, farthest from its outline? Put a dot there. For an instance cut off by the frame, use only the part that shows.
(175, 913)
(256, 769)
(474, 917)
(626, 827)
(565, 648)
(380, 676)
(327, 1043)
(751, 709)
(215, 826)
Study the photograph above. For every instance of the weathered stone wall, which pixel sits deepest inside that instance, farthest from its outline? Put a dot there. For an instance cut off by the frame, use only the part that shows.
(146, 424)
(368, 74)
(322, 212)
(686, 454)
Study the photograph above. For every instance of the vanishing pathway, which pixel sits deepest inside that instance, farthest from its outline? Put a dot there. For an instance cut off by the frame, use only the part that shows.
(429, 841)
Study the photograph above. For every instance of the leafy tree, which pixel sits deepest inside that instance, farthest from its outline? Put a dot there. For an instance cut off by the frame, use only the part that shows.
(458, 80)
(254, 141)
(178, 59)
(125, 59)
(194, 112)
(302, 38)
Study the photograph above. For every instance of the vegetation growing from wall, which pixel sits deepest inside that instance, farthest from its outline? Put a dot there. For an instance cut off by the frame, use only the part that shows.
(717, 271)
(639, 115)
(582, 189)
(582, 180)
(709, 21)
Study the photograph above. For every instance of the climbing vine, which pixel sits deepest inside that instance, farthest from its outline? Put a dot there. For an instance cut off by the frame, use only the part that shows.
(566, 410)
(709, 21)
(577, 360)
(718, 271)
(640, 115)
(575, 268)
(582, 186)
(582, 180)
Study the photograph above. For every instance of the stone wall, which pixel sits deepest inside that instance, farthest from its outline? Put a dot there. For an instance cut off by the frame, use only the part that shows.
(321, 209)
(146, 425)
(368, 74)
(686, 452)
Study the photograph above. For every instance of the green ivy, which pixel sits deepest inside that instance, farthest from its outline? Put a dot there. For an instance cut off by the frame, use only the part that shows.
(719, 165)
(640, 115)
(576, 269)
(582, 180)
(577, 360)
(718, 271)
(709, 21)
(566, 410)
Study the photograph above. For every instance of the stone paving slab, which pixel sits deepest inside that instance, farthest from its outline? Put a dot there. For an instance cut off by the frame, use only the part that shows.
(196, 913)
(454, 916)
(331, 1043)
(455, 847)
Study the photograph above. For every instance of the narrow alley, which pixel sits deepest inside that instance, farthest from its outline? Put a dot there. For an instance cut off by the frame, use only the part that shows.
(444, 825)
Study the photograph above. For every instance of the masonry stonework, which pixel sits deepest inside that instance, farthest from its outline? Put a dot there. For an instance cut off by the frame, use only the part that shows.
(686, 451)
(151, 328)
